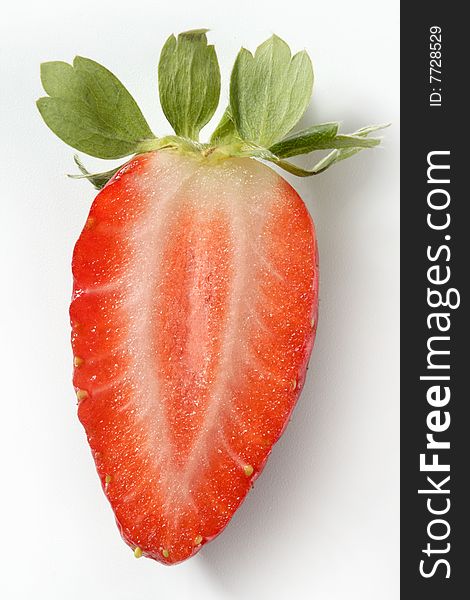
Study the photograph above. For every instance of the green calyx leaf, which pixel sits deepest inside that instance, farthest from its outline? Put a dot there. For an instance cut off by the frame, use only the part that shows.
(345, 147)
(189, 82)
(269, 91)
(307, 140)
(90, 109)
(98, 180)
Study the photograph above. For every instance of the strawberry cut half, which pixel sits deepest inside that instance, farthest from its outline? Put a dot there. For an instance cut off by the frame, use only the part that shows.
(195, 296)
(194, 312)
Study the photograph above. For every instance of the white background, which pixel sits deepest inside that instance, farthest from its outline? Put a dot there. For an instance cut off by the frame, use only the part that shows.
(322, 521)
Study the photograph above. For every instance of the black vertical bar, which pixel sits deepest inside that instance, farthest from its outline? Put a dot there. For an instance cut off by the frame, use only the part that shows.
(434, 123)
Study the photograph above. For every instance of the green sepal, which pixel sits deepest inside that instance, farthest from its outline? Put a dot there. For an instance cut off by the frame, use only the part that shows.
(189, 82)
(348, 145)
(320, 137)
(269, 91)
(306, 141)
(90, 109)
(98, 180)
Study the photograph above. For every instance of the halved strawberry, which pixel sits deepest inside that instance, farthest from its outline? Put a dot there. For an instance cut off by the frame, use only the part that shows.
(193, 314)
(195, 282)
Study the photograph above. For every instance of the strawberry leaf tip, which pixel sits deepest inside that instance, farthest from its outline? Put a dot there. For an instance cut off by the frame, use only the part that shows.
(91, 110)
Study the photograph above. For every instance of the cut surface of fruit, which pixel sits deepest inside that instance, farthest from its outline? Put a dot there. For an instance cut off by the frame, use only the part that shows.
(193, 317)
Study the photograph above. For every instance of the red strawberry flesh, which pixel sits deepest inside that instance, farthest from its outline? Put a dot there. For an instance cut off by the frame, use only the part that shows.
(193, 316)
